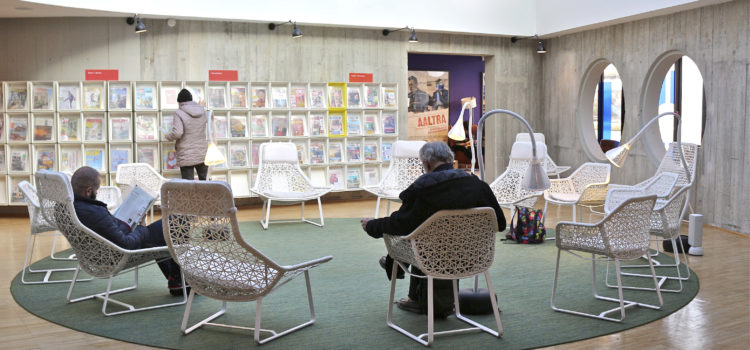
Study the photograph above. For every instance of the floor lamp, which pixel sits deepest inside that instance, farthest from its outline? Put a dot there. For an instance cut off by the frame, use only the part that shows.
(477, 300)
(458, 133)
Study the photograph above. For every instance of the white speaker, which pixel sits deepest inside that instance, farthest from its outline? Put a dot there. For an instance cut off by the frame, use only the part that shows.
(695, 234)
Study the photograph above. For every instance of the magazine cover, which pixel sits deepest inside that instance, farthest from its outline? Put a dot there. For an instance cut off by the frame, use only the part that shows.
(217, 97)
(119, 156)
(220, 126)
(259, 126)
(144, 97)
(371, 124)
(336, 125)
(238, 155)
(223, 150)
(43, 128)
(317, 97)
(318, 125)
(278, 95)
(69, 128)
(146, 154)
(371, 96)
(43, 97)
(254, 150)
(371, 177)
(239, 96)
(145, 128)
(92, 97)
(94, 129)
(335, 97)
(18, 128)
(170, 158)
(19, 160)
(386, 147)
(298, 125)
(336, 178)
(169, 97)
(120, 129)
(298, 97)
(389, 97)
(197, 92)
(238, 126)
(353, 97)
(335, 150)
(259, 97)
(353, 178)
(69, 159)
(67, 97)
(353, 151)
(2, 159)
(118, 96)
(167, 122)
(301, 153)
(371, 151)
(353, 125)
(17, 95)
(95, 158)
(16, 196)
(279, 125)
(45, 159)
(317, 153)
(389, 123)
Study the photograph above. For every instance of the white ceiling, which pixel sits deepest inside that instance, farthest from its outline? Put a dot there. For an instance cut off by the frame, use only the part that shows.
(484, 17)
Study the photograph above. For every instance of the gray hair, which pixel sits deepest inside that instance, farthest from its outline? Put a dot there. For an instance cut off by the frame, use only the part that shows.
(434, 152)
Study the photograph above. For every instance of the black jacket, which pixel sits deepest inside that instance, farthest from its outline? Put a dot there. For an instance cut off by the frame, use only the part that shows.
(444, 188)
(94, 215)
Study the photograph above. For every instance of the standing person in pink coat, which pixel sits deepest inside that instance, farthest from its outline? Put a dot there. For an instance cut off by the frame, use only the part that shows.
(189, 132)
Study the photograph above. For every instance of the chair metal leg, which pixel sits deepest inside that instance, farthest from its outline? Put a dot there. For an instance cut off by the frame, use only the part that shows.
(71, 257)
(662, 279)
(377, 208)
(47, 272)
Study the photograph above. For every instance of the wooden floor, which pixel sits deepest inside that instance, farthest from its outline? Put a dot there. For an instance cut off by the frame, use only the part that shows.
(718, 318)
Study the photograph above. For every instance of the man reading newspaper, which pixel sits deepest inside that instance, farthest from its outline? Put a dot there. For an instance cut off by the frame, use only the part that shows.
(94, 215)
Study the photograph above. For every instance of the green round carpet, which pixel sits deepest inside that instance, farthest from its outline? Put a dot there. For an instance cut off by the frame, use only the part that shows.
(351, 297)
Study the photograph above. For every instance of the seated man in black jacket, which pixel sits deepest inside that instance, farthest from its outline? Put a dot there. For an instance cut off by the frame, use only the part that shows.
(442, 187)
(94, 215)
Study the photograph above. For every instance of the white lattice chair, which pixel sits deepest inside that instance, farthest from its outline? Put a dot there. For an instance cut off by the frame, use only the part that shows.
(620, 235)
(450, 244)
(661, 185)
(508, 188)
(550, 166)
(96, 256)
(143, 175)
(110, 195)
(39, 227)
(666, 224)
(405, 167)
(216, 261)
(280, 179)
(587, 186)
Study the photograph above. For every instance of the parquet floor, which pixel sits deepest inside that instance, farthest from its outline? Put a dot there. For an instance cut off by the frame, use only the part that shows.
(718, 318)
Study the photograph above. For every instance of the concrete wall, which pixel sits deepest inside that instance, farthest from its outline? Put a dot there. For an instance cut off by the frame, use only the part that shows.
(716, 38)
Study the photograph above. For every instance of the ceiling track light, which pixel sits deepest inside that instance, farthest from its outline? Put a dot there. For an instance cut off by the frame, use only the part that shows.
(539, 42)
(139, 26)
(296, 33)
(412, 37)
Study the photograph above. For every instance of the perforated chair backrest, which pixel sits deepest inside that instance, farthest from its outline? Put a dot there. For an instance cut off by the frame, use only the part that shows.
(96, 255)
(671, 162)
(525, 137)
(141, 174)
(508, 186)
(624, 232)
(405, 166)
(36, 219)
(278, 169)
(667, 219)
(590, 173)
(202, 232)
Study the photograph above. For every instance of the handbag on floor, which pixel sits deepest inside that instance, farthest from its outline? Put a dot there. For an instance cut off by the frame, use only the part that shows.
(527, 226)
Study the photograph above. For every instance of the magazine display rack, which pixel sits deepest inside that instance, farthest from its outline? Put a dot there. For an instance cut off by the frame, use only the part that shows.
(343, 131)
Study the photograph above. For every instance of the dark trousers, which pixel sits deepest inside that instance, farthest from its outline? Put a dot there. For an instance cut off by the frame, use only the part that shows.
(442, 289)
(188, 173)
(155, 238)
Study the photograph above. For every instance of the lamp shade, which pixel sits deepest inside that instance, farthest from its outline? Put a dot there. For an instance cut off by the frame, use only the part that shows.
(457, 132)
(413, 37)
(618, 154)
(296, 33)
(213, 155)
(536, 178)
(139, 26)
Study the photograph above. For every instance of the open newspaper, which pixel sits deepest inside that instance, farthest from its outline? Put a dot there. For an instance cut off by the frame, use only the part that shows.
(135, 206)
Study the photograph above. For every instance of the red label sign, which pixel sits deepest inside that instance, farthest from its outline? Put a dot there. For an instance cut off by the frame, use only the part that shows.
(102, 74)
(360, 77)
(222, 75)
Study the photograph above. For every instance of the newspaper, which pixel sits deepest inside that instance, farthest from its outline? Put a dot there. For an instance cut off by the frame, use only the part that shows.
(135, 206)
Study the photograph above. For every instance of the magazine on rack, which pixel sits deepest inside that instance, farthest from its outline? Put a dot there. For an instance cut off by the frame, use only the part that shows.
(135, 207)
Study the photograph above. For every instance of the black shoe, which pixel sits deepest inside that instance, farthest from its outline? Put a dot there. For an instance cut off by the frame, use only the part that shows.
(409, 305)
(399, 274)
(175, 287)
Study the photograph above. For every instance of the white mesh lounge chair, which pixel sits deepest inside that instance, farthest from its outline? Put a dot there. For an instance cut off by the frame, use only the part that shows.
(142, 175)
(39, 227)
(587, 186)
(280, 179)
(450, 244)
(110, 195)
(216, 261)
(96, 256)
(404, 168)
(665, 225)
(549, 165)
(621, 235)
(508, 188)
(661, 185)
